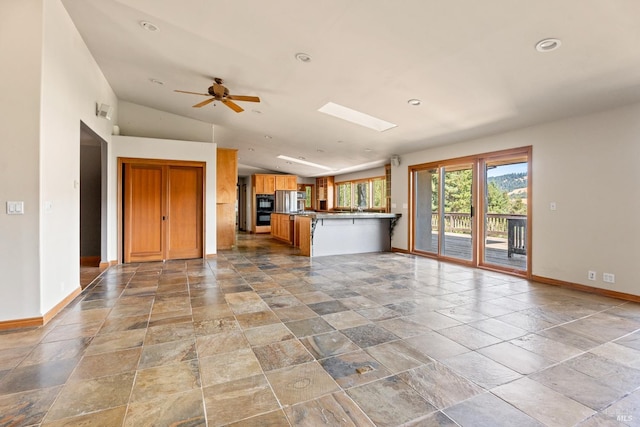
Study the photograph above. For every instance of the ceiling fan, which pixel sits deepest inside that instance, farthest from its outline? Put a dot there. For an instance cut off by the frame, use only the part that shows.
(218, 92)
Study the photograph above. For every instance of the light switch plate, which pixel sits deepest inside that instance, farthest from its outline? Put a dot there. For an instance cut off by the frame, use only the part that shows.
(15, 208)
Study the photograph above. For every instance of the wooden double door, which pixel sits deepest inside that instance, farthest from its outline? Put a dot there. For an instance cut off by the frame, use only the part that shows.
(162, 210)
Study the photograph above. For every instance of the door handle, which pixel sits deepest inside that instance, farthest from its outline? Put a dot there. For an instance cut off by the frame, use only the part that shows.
(164, 218)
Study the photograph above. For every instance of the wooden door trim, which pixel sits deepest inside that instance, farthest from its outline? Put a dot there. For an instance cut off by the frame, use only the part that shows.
(168, 162)
(477, 159)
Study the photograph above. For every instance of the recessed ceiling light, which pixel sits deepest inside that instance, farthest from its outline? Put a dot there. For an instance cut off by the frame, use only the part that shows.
(251, 149)
(547, 45)
(301, 158)
(288, 163)
(320, 150)
(303, 57)
(156, 81)
(414, 102)
(267, 137)
(340, 141)
(256, 111)
(367, 150)
(149, 26)
(353, 116)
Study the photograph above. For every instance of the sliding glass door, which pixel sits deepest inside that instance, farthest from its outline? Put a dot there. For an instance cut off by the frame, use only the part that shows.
(426, 183)
(444, 225)
(474, 210)
(457, 207)
(505, 214)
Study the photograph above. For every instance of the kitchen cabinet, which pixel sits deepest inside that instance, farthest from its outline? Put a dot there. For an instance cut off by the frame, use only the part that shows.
(265, 184)
(226, 187)
(268, 184)
(282, 227)
(286, 182)
(324, 193)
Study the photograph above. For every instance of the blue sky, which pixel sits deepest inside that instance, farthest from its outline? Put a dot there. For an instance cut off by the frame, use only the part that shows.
(506, 169)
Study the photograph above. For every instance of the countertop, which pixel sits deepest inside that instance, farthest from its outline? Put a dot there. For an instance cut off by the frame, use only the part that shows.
(344, 215)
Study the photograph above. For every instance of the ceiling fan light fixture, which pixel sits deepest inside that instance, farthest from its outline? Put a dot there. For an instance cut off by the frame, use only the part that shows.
(303, 57)
(414, 102)
(149, 26)
(547, 45)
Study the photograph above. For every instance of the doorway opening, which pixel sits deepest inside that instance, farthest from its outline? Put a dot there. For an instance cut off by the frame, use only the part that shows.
(93, 205)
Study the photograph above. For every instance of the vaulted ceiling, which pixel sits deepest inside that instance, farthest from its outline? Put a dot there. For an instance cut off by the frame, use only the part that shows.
(473, 65)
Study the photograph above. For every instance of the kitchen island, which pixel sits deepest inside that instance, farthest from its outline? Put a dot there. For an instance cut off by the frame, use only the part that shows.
(340, 233)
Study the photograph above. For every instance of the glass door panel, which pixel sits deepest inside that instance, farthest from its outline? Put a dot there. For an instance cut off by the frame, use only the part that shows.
(427, 189)
(457, 208)
(505, 213)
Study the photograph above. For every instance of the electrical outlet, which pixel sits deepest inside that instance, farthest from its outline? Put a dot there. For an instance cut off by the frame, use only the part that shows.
(592, 275)
(609, 277)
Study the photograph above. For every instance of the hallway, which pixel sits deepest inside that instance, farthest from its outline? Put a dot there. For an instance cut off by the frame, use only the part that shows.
(259, 336)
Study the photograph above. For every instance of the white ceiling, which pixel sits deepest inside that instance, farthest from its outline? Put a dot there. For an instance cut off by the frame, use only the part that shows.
(472, 63)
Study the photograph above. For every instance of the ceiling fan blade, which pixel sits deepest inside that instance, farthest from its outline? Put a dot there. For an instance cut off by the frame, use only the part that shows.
(205, 102)
(243, 98)
(192, 93)
(235, 107)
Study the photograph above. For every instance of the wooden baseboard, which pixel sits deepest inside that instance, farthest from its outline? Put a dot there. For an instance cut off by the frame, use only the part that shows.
(402, 251)
(209, 256)
(62, 304)
(90, 261)
(584, 288)
(31, 322)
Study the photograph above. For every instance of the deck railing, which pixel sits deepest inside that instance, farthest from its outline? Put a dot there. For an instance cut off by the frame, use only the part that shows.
(455, 222)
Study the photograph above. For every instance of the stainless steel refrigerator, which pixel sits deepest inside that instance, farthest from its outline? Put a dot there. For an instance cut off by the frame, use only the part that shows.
(287, 201)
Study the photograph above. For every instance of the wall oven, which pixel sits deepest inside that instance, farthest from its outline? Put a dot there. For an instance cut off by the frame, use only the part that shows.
(263, 218)
(265, 204)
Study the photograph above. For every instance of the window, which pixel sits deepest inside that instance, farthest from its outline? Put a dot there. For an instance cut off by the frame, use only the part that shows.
(343, 194)
(379, 193)
(362, 194)
(308, 189)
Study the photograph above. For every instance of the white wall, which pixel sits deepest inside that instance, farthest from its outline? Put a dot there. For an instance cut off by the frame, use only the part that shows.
(138, 120)
(72, 84)
(588, 165)
(19, 159)
(151, 148)
(365, 174)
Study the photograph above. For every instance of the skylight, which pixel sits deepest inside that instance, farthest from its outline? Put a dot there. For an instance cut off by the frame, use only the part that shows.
(304, 162)
(356, 117)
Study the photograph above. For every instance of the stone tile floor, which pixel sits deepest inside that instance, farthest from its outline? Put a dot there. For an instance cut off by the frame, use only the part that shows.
(258, 336)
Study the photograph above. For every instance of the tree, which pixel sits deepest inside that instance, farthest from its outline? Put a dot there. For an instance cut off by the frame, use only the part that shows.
(497, 200)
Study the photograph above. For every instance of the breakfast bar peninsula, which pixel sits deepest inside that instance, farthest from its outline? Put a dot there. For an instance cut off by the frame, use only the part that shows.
(339, 233)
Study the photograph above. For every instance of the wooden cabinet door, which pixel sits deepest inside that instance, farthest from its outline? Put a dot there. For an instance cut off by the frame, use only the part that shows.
(269, 184)
(184, 213)
(144, 206)
(259, 179)
(162, 211)
(292, 182)
(281, 182)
